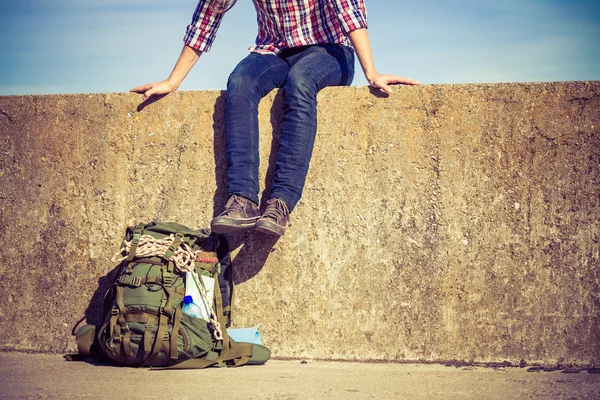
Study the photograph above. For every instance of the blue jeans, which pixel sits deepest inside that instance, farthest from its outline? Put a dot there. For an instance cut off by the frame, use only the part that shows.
(300, 73)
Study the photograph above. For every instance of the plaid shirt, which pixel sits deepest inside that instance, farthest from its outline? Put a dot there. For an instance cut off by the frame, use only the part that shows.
(283, 24)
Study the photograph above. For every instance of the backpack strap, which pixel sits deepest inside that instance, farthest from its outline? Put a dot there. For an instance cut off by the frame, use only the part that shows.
(119, 331)
(174, 245)
(162, 335)
(161, 341)
(226, 282)
(193, 363)
(175, 334)
(168, 278)
(149, 320)
(137, 233)
(239, 353)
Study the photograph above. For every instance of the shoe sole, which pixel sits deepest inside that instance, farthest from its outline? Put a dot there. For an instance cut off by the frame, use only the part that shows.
(270, 228)
(229, 226)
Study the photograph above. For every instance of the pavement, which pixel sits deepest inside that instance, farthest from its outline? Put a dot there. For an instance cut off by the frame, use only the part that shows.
(49, 376)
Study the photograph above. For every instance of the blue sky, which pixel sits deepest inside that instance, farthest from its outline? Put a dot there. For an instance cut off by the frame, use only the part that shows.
(85, 46)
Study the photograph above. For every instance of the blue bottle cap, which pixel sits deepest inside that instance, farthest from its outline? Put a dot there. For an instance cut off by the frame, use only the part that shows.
(188, 300)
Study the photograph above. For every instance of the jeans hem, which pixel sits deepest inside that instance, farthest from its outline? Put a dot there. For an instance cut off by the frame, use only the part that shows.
(290, 202)
(252, 197)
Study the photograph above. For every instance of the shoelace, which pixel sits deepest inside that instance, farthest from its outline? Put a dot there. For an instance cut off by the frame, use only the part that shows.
(235, 207)
(278, 212)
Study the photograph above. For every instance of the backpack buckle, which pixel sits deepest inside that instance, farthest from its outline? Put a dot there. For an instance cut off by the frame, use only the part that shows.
(129, 280)
(218, 345)
(167, 279)
(136, 281)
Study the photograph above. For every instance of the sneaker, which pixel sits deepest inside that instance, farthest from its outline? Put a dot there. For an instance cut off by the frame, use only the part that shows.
(275, 218)
(240, 213)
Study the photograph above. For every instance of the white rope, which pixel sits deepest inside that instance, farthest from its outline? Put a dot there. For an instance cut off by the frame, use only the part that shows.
(148, 246)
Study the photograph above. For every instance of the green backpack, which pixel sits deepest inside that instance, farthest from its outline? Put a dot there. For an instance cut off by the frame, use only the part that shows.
(144, 324)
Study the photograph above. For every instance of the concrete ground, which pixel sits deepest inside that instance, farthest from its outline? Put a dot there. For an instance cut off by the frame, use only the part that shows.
(48, 376)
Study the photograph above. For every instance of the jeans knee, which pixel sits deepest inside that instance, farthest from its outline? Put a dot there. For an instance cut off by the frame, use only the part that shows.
(242, 90)
(301, 88)
(238, 82)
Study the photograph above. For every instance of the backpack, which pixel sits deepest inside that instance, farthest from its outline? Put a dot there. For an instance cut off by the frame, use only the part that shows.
(144, 325)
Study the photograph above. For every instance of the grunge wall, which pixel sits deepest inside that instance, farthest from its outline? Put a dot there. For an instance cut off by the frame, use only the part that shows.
(452, 222)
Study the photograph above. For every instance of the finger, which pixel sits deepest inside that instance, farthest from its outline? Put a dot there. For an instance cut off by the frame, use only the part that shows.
(408, 81)
(147, 94)
(405, 81)
(143, 88)
(139, 89)
(385, 88)
(156, 90)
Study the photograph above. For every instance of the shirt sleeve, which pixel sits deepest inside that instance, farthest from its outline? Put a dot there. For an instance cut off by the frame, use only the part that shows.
(351, 14)
(201, 33)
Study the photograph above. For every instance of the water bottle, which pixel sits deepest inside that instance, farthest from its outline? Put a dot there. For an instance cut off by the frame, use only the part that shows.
(191, 308)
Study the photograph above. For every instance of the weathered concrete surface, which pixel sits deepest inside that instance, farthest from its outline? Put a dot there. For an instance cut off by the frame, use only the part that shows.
(30, 376)
(444, 222)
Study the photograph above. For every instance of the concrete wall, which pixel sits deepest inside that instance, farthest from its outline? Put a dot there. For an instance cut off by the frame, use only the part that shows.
(440, 223)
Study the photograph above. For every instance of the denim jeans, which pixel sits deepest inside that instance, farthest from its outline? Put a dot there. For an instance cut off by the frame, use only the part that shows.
(300, 73)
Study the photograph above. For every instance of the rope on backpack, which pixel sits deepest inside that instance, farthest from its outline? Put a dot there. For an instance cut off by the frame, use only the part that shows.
(149, 246)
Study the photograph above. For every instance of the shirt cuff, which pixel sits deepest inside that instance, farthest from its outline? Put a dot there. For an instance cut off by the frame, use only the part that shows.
(198, 39)
(352, 19)
(201, 32)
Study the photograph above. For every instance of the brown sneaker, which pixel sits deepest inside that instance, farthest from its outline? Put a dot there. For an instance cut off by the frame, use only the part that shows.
(240, 213)
(275, 218)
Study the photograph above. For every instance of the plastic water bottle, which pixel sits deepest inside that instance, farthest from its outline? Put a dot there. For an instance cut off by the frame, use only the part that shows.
(190, 308)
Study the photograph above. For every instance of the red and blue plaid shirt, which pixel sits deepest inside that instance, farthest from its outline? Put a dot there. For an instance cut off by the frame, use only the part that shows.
(285, 23)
